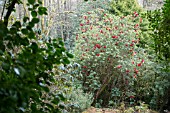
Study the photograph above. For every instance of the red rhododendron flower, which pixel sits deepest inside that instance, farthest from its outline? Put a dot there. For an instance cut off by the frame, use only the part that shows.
(139, 64)
(114, 36)
(137, 34)
(142, 61)
(76, 37)
(136, 25)
(88, 12)
(84, 66)
(102, 51)
(91, 27)
(132, 96)
(136, 71)
(116, 27)
(101, 31)
(104, 46)
(81, 24)
(116, 43)
(87, 49)
(85, 17)
(131, 45)
(97, 54)
(134, 76)
(88, 21)
(134, 53)
(127, 71)
(133, 41)
(136, 14)
(98, 46)
(119, 66)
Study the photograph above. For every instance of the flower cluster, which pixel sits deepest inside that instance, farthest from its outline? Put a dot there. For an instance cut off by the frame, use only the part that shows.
(105, 37)
(106, 47)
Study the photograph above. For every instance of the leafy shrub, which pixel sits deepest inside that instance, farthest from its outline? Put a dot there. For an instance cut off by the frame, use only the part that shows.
(68, 85)
(124, 7)
(159, 24)
(27, 63)
(79, 101)
(106, 48)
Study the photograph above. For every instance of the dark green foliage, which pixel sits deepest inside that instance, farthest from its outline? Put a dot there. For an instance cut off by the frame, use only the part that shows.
(26, 65)
(160, 25)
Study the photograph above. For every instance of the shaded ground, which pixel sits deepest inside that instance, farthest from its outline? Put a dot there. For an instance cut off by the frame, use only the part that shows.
(106, 110)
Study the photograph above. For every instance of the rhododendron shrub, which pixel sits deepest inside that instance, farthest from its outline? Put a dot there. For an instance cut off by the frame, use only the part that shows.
(106, 48)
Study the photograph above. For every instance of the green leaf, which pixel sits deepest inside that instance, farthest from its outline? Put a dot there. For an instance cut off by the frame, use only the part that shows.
(5, 66)
(62, 97)
(34, 47)
(34, 13)
(25, 19)
(62, 106)
(35, 6)
(31, 35)
(61, 42)
(24, 31)
(17, 24)
(69, 55)
(39, 1)
(66, 61)
(35, 20)
(46, 89)
(1, 52)
(42, 10)
(31, 24)
(31, 1)
(56, 100)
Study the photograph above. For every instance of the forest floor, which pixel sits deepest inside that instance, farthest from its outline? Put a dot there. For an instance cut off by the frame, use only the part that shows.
(107, 110)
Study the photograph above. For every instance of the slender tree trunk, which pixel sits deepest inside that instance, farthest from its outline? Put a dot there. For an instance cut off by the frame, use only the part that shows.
(42, 19)
(9, 11)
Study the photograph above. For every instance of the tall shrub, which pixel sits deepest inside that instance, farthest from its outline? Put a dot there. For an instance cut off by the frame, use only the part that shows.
(160, 37)
(113, 67)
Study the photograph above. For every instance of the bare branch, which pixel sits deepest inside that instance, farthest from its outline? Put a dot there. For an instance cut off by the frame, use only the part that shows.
(9, 11)
(3, 10)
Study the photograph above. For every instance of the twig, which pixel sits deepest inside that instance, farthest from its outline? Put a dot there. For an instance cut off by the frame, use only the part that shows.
(3, 10)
